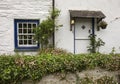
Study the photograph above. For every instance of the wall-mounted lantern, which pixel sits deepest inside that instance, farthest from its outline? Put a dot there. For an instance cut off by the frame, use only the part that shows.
(72, 23)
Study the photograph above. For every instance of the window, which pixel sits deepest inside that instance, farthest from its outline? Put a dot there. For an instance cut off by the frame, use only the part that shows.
(24, 34)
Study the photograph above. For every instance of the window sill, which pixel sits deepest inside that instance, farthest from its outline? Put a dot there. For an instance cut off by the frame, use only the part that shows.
(26, 50)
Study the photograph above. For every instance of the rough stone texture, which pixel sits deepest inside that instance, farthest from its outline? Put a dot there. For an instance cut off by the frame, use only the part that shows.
(71, 78)
(98, 73)
(18, 9)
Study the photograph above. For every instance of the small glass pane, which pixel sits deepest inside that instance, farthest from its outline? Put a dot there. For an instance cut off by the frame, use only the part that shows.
(29, 25)
(20, 42)
(24, 25)
(20, 37)
(34, 42)
(29, 36)
(34, 25)
(33, 31)
(29, 31)
(25, 42)
(20, 30)
(20, 25)
(29, 41)
(24, 30)
(25, 36)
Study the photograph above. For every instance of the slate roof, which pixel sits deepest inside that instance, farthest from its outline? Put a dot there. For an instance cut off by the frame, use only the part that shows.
(86, 14)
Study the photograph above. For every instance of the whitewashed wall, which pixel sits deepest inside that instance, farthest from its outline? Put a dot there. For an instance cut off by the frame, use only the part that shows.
(18, 9)
(111, 35)
(38, 9)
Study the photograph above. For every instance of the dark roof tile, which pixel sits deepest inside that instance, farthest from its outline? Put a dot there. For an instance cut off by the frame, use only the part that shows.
(86, 14)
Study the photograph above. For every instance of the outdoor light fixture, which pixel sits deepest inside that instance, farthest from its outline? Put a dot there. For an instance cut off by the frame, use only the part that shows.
(72, 22)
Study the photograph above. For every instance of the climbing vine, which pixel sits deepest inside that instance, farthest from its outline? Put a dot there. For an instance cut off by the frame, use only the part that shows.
(95, 44)
(45, 29)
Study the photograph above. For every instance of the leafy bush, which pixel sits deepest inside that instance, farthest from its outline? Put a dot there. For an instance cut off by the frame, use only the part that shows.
(14, 69)
(54, 51)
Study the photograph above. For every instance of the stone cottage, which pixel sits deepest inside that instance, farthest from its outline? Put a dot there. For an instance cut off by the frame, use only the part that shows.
(80, 18)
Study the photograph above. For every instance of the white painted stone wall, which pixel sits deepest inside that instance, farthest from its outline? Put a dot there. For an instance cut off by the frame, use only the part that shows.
(111, 35)
(38, 9)
(18, 9)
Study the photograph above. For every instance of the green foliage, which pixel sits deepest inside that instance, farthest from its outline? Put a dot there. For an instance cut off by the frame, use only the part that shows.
(15, 69)
(113, 50)
(102, 80)
(95, 44)
(54, 51)
(46, 28)
(103, 24)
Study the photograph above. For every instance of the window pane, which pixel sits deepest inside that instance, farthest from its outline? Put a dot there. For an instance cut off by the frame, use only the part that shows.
(29, 41)
(25, 36)
(20, 25)
(20, 42)
(24, 25)
(34, 26)
(25, 42)
(24, 30)
(34, 42)
(32, 31)
(21, 37)
(29, 36)
(20, 30)
(29, 25)
(29, 31)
